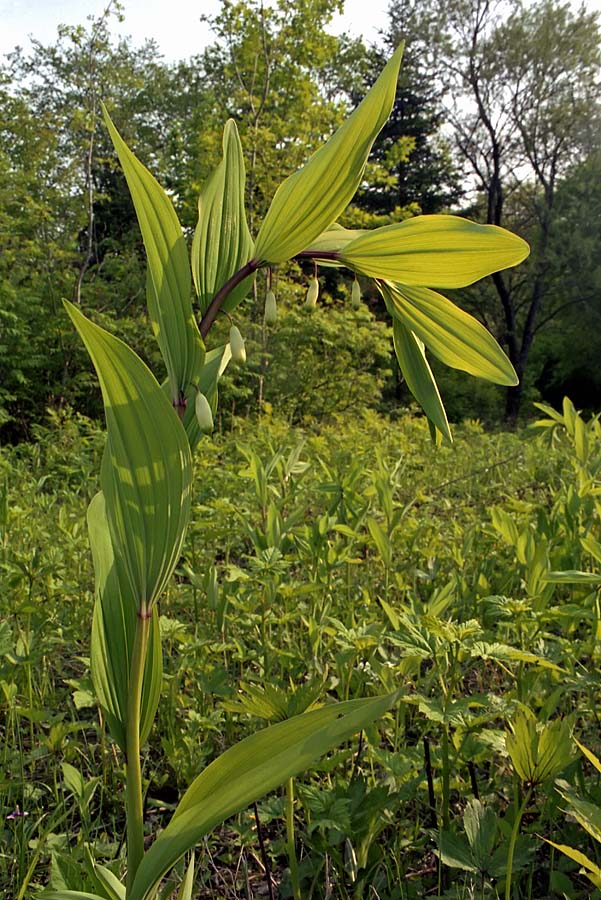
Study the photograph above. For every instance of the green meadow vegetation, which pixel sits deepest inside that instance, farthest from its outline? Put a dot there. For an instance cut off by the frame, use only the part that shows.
(333, 563)
(271, 625)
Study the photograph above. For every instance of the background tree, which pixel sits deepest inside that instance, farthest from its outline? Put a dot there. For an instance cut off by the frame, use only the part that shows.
(525, 90)
(415, 155)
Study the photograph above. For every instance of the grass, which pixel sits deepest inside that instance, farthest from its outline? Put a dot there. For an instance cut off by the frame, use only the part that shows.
(337, 562)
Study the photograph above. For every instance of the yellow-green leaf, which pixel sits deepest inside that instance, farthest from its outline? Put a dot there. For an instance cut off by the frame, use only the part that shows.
(589, 755)
(113, 630)
(411, 356)
(434, 251)
(222, 243)
(169, 284)
(308, 201)
(592, 870)
(147, 467)
(247, 771)
(455, 337)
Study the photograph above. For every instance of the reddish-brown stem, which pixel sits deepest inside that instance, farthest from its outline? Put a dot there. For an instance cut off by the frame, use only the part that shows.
(215, 305)
(249, 269)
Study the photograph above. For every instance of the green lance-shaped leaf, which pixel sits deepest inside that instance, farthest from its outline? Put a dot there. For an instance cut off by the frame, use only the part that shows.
(434, 251)
(335, 238)
(147, 467)
(591, 869)
(222, 243)
(247, 771)
(168, 286)
(455, 337)
(411, 356)
(308, 201)
(70, 895)
(113, 630)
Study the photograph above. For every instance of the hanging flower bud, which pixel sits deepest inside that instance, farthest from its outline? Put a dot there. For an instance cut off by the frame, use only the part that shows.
(271, 309)
(204, 416)
(237, 345)
(312, 293)
(356, 294)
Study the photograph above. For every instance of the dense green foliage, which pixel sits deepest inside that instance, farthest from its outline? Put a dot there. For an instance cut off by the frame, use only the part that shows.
(67, 226)
(330, 563)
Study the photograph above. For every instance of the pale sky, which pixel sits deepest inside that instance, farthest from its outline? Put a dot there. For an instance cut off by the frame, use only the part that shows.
(174, 24)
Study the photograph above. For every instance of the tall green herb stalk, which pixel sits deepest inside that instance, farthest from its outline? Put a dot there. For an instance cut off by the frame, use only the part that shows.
(138, 521)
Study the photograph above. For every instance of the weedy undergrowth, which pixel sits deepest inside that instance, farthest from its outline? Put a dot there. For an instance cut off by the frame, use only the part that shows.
(138, 520)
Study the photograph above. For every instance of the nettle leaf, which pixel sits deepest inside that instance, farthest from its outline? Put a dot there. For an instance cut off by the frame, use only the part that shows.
(222, 243)
(454, 851)
(311, 199)
(411, 356)
(147, 467)
(169, 284)
(246, 772)
(434, 251)
(113, 631)
(455, 337)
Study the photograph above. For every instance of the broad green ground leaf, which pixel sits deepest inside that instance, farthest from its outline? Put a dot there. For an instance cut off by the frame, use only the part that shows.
(222, 243)
(311, 199)
(455, 852)
(455, 337)
(434, 251)
(411, 355)
(246, 772)
(480, 825)
(147, 467)
(113, 630)
(169, 282)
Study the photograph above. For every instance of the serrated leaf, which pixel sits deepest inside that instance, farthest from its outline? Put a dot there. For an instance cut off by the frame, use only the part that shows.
(455, 852)
(113, 631)
(455, 337)
(434, 251)
(222, 243)
(411, 356)
(146, 469)
(247, 771)
(311, 199)
(480, 823)
(169, 282)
